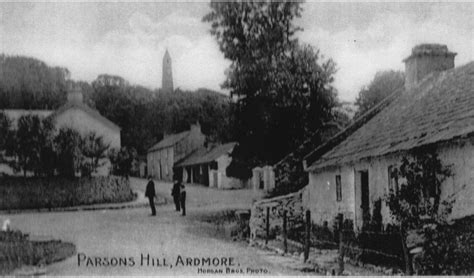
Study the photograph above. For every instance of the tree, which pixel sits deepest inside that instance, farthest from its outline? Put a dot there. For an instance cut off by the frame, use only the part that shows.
(6, 137)
(34, 145)
(123, 161)
(283, 89)
(143, 115)
(416, 202)
(94, 150)
(383, 85)
(68, 144)
(29, 83)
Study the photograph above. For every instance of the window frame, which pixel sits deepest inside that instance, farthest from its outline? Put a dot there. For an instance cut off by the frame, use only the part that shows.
(393, 182)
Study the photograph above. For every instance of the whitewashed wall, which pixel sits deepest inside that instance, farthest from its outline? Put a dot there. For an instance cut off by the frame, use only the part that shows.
(223, 181)
(84, 123)
(320, 195)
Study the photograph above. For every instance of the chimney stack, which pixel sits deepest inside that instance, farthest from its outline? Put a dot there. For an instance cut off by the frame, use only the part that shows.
(425, 59)
(196, 127)
(75, 95)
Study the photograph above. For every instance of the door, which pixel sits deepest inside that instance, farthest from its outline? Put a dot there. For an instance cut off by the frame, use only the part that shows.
(216, 182)
(261, 183)
(364, 190)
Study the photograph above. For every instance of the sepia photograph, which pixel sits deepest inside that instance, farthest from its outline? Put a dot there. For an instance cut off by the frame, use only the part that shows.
(236, 138)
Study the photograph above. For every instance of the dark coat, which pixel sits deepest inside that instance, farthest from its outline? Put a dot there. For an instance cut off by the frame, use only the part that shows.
(150, 189)
(175, 190)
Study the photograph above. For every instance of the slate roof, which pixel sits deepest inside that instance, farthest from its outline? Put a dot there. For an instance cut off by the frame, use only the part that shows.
(169, 141)
(204, 155)
(92, 112)
(439, 109)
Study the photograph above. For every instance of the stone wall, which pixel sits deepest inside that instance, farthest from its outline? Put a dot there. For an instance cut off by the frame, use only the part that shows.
(291, 202)
(33, 193)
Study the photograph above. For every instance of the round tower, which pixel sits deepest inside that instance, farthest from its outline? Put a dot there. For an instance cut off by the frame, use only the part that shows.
(167, 80)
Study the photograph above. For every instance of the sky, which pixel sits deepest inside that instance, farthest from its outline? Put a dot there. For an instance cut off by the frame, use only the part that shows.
(129, 39)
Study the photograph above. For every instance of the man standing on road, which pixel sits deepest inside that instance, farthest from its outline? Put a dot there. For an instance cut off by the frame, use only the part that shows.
(150, 193)
(183, 197)
(176, 194)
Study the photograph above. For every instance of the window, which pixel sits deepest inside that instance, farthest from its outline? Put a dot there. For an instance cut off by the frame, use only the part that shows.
(338, 188)
(392, 179)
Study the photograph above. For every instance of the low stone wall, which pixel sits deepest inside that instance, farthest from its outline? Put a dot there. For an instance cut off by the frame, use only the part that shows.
(295, 213)
(33, 193)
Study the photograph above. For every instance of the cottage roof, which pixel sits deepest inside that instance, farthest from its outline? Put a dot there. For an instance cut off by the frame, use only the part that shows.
(92, 112)
(439, 109)
(205, 155)
(169, 141)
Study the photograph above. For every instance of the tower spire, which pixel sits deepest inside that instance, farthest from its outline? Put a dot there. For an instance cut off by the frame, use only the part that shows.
(167, 79)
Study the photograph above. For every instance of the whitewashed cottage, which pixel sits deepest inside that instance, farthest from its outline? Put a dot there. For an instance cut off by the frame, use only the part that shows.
(77, 115)
(436, 107)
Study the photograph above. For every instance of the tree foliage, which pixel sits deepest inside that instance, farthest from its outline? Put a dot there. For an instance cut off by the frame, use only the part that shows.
(383, 84)
(94, 151)
(283, 88)
(123, 161)
(6, 137)
(28, 83)
(417, 206)
(34, 145)
(418, 199)
(69, 151)
(144, 115)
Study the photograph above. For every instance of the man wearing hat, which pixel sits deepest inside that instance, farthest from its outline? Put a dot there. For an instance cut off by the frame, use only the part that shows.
(150, 193)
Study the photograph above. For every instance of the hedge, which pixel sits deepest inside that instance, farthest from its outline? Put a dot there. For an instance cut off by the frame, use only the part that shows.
(55, 192)
(17, 250)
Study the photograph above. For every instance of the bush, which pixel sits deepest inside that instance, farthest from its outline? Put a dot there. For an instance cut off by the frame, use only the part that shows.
(123, 161)
(16, 250)
(68, 147)
(387, 247)
(448, 249)
(53, 192)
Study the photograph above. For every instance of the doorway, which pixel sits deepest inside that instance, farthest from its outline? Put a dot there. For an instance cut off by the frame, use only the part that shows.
(216, 179)
(364, 195)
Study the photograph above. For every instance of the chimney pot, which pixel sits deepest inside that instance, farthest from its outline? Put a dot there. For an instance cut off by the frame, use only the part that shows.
(75, 95)
(426, 59)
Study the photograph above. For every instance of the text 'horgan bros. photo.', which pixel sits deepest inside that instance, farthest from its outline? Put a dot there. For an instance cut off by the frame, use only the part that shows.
(236, 138)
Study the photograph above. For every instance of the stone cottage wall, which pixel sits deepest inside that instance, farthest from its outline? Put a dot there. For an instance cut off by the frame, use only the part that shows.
(291, 202)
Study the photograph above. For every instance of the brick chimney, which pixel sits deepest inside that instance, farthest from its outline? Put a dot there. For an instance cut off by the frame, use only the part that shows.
(196, 127)
(74, 95)
(425, 59)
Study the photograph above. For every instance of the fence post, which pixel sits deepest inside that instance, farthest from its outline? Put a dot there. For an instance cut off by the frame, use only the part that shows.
(406, 255)
(267, 229)
(341, 242)
(308, 235)
(285, 241)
